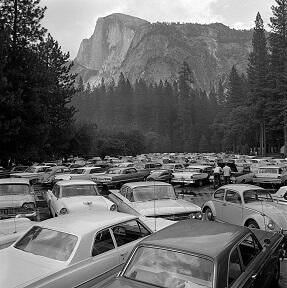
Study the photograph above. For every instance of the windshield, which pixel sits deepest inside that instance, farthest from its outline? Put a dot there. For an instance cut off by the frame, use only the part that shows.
(115, 171)
(149, 193)
(31, 170)
(256, 195)
(79, 190)
(192, 169)
(48, 243)
(169, 269)
(13, 189)
(78, 171)
(269, 170)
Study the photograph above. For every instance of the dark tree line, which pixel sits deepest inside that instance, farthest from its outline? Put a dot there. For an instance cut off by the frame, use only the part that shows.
(35, 86)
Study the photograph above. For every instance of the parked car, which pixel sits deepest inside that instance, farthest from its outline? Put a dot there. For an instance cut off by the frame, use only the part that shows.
(81, 173)
(48, 178)
(255, 164)
(275, 175)
(115, 177)
(160, 175)
(74, 196)
(153, 199)
(281, 195)
(173, 166)
(33, 173)
(200, 254)
(193, 174)
(246, 205)
(16, 197)
(150, 166)
(241, 165)
(18, 169)
(71, 250)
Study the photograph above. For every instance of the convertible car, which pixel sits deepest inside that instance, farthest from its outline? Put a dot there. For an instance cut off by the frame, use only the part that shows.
(71, 250)
(193, 254)
(153, 199)
(246, 205)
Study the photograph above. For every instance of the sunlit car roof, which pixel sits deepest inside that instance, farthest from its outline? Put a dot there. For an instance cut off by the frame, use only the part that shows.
(75, 182)
(205, 238)
(144, 184)
(241, 187)
(84, 223)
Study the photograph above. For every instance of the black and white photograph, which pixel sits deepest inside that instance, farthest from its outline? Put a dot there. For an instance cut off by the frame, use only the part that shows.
(143, 144)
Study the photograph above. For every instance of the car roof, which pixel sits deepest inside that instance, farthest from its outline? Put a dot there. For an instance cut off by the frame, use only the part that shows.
(199, 166)
(205, 238)
(241, 187)
(145, 183)
(273, 166)
(15, 181)
(75, 182)
(81, 224)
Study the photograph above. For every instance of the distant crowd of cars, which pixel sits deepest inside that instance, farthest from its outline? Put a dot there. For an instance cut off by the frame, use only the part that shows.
(123, 217)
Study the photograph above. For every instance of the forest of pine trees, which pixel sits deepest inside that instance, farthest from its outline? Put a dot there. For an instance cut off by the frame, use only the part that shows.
(44, 115)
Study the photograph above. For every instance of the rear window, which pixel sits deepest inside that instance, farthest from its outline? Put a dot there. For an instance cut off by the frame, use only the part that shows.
(47, 243)
(169, 269)
(269, 170)
(13, 189)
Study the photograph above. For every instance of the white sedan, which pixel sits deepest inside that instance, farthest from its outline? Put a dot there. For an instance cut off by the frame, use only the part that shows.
(76, 196)
(71, 250)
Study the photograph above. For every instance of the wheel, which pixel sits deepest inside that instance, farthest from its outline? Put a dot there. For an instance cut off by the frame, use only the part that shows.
(242, 181)
(252, 224)
(208, 214)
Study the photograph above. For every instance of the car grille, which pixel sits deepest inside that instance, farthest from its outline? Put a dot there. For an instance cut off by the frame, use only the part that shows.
(13, 211)
(174, 217)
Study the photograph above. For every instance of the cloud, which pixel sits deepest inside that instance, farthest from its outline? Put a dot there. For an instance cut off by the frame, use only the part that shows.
(70, 21)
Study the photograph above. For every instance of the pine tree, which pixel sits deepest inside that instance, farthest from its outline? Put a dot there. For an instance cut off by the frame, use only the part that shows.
(277, 79)
(257, 72)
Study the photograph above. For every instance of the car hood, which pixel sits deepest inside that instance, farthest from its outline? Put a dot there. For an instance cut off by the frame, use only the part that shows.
(24, 268)
(15, 200)
(84, 203)
(25, 174)
(164, 207)
(275, 211)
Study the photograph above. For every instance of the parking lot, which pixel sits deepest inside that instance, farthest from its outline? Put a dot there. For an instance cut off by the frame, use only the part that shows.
(197, 195)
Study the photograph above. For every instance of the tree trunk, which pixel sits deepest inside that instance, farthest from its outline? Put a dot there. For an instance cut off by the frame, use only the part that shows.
(262, 139)
(285, 136)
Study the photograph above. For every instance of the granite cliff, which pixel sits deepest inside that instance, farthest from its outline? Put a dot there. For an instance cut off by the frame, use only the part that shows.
(122, 43)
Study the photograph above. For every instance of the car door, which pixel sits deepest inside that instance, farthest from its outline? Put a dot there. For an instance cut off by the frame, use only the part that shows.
(126, 236)
(133, 174)
(218, 201)
(232, 209)
(54, 194)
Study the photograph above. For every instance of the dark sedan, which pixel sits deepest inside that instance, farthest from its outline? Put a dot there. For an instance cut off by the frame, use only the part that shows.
(163, 175)
(193, 254)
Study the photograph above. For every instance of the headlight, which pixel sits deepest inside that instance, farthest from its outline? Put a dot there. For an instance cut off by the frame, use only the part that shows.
(198, 215)
(28, 206)
(63, 211)
(113, 207)
(271, 225)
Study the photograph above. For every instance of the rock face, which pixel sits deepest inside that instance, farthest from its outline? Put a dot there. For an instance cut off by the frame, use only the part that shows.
(122, 43)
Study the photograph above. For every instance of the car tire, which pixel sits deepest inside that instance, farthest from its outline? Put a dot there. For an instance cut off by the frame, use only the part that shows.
(208, 214)
(242, 181)
(252, 224)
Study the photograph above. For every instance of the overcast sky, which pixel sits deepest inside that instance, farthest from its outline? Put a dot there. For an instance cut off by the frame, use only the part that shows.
(70, 21)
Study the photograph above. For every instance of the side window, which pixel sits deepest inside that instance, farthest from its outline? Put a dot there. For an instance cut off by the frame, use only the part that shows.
(128, 232)
(285, 196)
(123, 191)
(249, 248)
(56, 191)
(103, 243)
(232, 197)
(219, 194)
(130, 195)
(234, 267)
